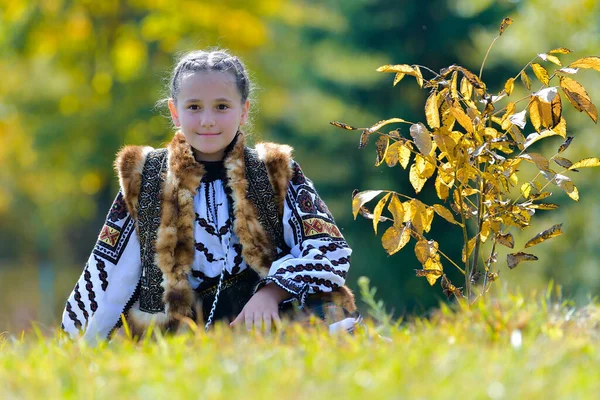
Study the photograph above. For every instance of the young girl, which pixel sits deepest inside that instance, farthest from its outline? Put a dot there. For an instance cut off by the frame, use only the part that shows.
(209, 229)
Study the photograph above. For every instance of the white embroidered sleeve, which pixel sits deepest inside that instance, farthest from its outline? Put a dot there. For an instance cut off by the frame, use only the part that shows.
(319, 256)
(107, 285)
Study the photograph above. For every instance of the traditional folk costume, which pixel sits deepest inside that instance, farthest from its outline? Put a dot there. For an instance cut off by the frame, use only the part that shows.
(197, 239)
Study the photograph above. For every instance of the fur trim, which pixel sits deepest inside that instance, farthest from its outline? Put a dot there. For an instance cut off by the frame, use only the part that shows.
(278, 160)
(128, 165)
(175, 235)
(257, 250)
(139, 321)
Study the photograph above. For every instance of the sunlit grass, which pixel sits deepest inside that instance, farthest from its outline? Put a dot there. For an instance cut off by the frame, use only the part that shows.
(516, 347)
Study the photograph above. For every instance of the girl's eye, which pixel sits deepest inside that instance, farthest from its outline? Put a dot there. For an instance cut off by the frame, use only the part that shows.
(222, 107)
(194, 107)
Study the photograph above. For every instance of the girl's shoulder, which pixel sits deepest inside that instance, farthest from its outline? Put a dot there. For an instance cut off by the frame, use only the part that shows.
(129, 164)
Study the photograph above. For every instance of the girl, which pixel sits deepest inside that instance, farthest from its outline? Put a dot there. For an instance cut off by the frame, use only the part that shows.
(209, 229)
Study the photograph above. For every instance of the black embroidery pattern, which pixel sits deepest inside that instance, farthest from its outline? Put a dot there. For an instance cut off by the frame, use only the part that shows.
(322, 207)
(331, 247)
(237, 261)
(73, 316)
(102, 273)
(341, 261)
(118, 211)
(319, 281)
(287, 284)
(199, 274)
(151, 290)
(261, 195)
(203, 249)
(90, 288)
(312, 267)
(306, 203)
(298, 177)
(80, 303)
(211, 229)
(307, 250)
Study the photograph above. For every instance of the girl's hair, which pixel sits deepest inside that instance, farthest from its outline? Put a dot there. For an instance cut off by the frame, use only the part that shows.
(211, 61)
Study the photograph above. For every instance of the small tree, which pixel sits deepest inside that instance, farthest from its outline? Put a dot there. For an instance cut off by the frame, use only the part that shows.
(476, 147)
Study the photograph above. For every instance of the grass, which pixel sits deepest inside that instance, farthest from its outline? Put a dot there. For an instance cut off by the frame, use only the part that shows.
(509, 347)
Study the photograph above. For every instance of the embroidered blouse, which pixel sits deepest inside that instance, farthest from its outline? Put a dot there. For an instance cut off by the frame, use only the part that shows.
(317, 261)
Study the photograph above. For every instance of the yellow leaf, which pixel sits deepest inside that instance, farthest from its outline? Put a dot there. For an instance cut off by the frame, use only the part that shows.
(526, 190)
(586, 63)
(431, 111)
(466, 89)
(535, 113)
(396, 208)
(364, 138)
(506, 22)
(391, 157)
(445, 143)
(422, 138)
(404, 154)
(381, 147)
(506, 240)
(565, 145)
(454, 85)
(462, 118)
(398, 77)
(561, 128)
(433, 265)
(383, 123)
(425, 250)
(445, 213)
(378, 210)
(418, 76)
(553, 231)
(556, 111)
(539, 160)
(509, 86)
(485, 230)
(541, 73)
(563, 162)
(415, 179)
(553, 59)
(441, 189)
(567, 185)
(526, 80)
(402, 68)
(342, 125)
(578, 97)
(394, 239)
(534, 137)
(586, 163)
(361, 198)
(470, 247)
(514, 259)
(425, 166)
(560, 50)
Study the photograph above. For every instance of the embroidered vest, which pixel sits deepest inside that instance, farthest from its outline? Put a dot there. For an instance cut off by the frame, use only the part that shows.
(260, 193)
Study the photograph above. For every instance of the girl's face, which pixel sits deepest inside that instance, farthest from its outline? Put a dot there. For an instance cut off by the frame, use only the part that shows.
(209, 111)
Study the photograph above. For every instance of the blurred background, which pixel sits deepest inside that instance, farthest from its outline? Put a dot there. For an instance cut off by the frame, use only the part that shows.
(79, 79)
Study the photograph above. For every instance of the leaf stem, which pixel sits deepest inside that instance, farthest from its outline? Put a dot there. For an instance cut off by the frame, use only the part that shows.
(486, 55)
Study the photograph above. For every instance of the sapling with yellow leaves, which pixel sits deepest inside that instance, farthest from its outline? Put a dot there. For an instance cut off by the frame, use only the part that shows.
(472, 146)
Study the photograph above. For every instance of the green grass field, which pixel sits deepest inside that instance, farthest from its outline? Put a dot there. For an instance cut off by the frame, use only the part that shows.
(516, 347)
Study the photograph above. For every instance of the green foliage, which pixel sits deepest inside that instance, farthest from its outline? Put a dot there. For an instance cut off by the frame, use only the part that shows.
(476, 147)
(425, 358)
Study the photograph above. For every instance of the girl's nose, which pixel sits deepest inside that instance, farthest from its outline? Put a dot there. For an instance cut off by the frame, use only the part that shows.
(207, 120)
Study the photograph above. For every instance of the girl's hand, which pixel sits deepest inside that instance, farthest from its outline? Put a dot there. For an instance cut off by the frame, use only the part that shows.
(262, 308)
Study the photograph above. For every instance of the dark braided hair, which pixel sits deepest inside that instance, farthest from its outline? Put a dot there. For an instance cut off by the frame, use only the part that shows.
(211, 61)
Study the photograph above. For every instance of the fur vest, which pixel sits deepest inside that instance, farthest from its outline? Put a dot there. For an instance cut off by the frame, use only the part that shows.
(174, 247)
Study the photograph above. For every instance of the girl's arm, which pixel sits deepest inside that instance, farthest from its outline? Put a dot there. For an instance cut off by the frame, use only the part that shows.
(319, 256)
(107, 284)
